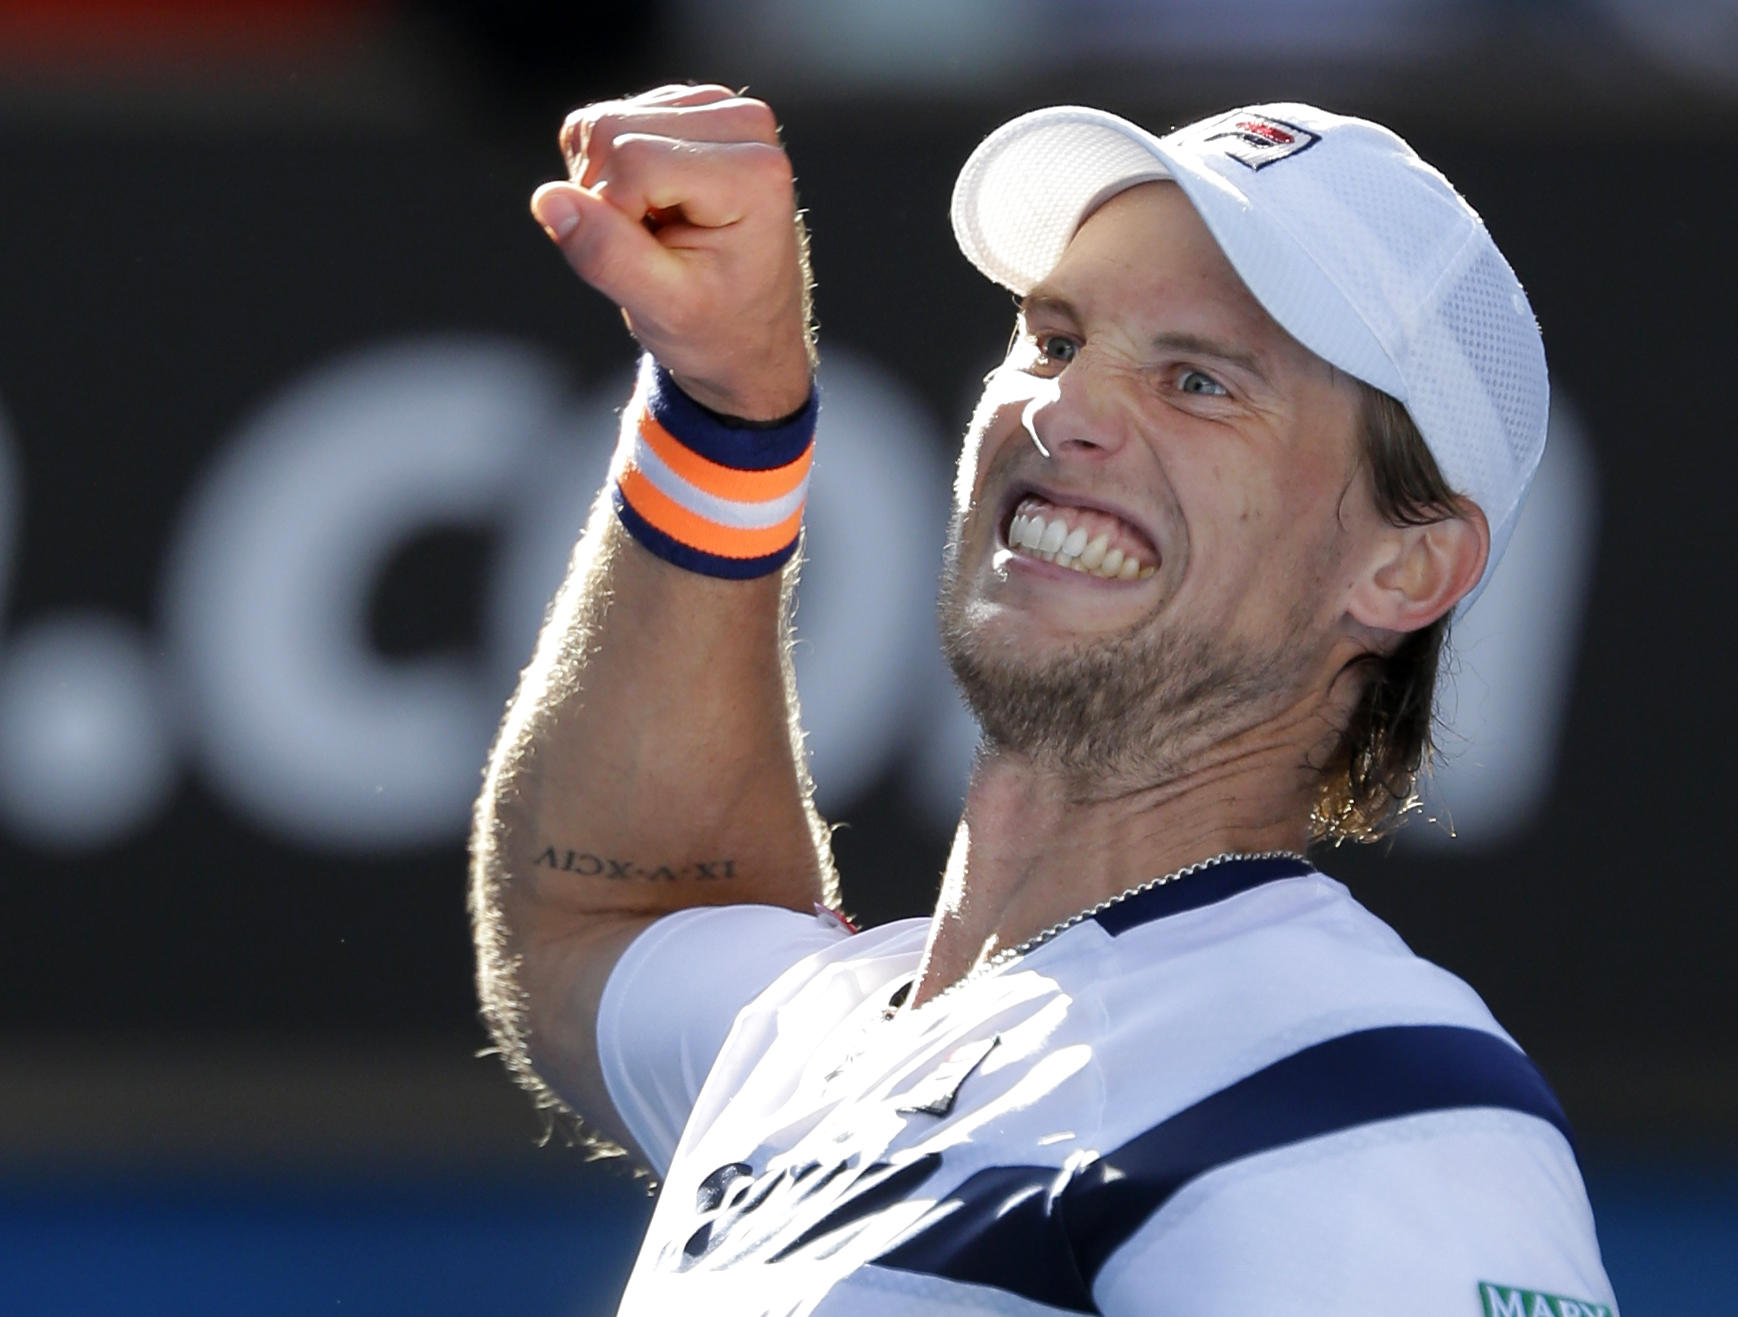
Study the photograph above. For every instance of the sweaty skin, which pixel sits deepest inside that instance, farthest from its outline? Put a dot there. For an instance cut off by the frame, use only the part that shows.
(1147, 399)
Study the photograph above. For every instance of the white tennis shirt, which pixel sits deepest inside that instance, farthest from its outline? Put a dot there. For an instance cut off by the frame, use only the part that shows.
(1236, 1093)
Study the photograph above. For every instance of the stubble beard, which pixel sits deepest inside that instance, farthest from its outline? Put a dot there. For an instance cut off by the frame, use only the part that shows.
(1123, 710)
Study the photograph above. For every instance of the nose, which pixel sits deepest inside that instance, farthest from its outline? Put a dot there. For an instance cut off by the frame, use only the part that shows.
(1070, 415)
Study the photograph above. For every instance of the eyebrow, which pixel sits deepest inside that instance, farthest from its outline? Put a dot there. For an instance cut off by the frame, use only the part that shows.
(1037, 301)
(1172, 341)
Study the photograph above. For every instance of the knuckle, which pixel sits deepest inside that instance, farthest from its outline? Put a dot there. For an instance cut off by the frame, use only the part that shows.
(601, 130)
(629, 156)
(571, 123)
(757, 116)
(771, 164)
(580, 129)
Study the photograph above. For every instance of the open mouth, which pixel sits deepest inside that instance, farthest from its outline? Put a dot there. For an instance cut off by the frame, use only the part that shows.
(1083, 539)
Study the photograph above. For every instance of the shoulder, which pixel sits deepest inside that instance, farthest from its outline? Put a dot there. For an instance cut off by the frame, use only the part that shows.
(1231, 988)
(1289, 1013)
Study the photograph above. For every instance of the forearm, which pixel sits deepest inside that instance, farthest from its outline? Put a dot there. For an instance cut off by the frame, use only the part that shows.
(651, 748)
(648, 762)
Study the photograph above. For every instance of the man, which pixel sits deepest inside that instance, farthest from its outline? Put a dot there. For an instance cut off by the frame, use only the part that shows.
(1268, 416)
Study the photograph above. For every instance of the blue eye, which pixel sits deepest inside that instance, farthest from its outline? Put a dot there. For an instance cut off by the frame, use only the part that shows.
(1058, 348)
(1193, 381)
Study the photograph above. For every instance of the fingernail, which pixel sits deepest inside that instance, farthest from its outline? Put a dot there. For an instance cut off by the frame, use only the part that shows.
(556, 212)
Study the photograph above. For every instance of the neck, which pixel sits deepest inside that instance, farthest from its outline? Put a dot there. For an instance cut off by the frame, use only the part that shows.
(1034, 846)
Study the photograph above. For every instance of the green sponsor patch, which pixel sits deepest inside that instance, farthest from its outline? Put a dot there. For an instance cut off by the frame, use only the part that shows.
(1511, 1301)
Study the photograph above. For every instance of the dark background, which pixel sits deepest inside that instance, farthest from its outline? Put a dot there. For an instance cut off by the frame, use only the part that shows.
(206, 998)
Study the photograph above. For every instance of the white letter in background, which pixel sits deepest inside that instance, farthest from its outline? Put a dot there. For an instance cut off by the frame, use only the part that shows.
(87, 740)
(877, 516)
(296, 720)
(1511, 659)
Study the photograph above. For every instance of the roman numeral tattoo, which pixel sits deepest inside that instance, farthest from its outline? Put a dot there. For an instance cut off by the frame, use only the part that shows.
(602, 866)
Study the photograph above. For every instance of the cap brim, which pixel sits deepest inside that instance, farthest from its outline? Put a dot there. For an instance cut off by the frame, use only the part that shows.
(1032, 183)
(1029, 186)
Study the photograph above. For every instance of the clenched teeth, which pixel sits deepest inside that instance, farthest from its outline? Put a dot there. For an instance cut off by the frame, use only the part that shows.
(1078, 538)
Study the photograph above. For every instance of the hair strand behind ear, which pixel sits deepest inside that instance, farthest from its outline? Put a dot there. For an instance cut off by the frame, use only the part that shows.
(1370, 781)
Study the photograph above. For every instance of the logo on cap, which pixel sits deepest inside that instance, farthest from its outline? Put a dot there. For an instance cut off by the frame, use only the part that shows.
(1256, 140)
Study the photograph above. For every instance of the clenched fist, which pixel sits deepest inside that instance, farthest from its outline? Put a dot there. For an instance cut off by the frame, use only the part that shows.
(680, 207)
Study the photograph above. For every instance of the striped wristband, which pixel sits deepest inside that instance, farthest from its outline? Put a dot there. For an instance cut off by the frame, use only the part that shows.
(719, 499)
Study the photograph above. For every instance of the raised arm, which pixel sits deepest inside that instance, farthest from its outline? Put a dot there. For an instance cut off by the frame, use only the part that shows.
(650, 758)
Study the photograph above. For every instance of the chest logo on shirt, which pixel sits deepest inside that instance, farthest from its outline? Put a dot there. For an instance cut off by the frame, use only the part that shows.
(755, 1218)
(934, 1094)
(1511, 1301)
(821, 1202)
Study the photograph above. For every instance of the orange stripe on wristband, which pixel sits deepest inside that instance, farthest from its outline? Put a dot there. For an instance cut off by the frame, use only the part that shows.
(722, 481)
(678, 523)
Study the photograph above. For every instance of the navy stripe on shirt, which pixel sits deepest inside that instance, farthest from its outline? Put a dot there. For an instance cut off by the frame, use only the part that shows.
(1217, 882)
(1045, 1233)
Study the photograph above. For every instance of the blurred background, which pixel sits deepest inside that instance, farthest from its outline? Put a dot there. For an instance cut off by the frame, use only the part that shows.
(300, 413)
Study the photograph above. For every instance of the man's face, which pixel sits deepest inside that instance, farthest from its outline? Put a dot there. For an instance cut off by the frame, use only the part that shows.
(1195, 472)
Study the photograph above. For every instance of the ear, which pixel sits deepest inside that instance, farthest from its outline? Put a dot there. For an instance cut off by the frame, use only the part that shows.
(1423, 571)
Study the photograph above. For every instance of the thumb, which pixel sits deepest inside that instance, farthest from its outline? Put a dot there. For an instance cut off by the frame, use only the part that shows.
(614, 254)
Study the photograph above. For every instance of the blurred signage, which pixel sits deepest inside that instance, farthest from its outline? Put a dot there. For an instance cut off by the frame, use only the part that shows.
(266, 680)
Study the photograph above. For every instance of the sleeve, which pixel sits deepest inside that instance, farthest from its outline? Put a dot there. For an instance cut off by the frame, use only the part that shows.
(1424, 1214)
(672, 998)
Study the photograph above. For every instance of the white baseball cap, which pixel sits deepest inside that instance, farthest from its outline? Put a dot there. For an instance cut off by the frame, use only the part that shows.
(1359, 249)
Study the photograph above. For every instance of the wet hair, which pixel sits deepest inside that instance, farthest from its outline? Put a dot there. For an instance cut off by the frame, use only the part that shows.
(1370, 781)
